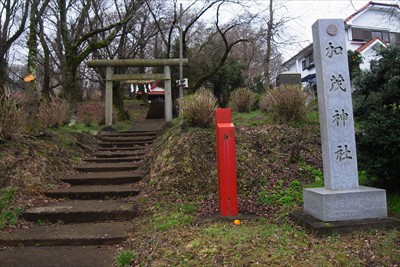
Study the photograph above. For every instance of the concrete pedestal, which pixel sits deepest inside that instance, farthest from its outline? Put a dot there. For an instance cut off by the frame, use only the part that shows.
(339, 205)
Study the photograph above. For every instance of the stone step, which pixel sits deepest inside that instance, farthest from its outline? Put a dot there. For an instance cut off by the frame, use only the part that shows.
(83, 234)
(123, 139)
(113, 149)
(107, 167)
(129, 134)
(59, 256)
(93, 192)
(116, 160)
(79, 211)
(119, 153)
(124, 144)
(103, 178)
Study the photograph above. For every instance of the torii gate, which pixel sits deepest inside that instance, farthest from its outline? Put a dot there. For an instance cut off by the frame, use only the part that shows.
(110, 77)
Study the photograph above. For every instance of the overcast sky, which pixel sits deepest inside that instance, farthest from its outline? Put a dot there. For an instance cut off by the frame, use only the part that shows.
(306, 12)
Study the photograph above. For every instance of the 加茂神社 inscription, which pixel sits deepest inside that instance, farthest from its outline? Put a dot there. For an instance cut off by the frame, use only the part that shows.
(342, 198)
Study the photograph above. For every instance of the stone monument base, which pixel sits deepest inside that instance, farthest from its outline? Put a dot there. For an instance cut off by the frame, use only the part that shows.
(340, 205)
(320, 228)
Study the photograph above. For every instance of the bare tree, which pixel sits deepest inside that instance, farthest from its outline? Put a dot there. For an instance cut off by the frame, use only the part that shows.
(267, 58)
(131, 42)
(167, 27)
(83, 27)
(228, 43)
(38, 8)
(13, 16)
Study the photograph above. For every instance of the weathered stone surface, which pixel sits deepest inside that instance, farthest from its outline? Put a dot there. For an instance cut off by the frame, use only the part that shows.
(342, 198)
(127, 139)
(93, 192)
(104, 178)
(135, 148)
(110, 154)
(352, 204)
(103, 167)
(82, 234)
(131, 133)
(82, 211)
(320, 227)
(124, 144)
(114, 160)
(60, 256)
(335, 106)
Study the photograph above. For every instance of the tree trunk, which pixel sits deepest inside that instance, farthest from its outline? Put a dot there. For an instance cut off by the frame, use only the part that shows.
(3, 75)
(32, 41)
(46, 72)
(69, 84)
(118, 101)
(267, 58)
(31, 94)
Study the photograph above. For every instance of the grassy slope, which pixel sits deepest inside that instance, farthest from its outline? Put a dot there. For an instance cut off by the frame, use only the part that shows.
(274, 162)
(31, 164)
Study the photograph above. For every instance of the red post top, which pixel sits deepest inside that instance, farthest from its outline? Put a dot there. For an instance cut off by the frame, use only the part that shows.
(223, 115)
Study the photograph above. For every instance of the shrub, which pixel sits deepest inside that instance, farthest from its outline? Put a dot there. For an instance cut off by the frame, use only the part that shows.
(91, 112)
(53, 111)
(197, 110)
(286, 103)
(378, 144)
(12, 115)
(125, 258)
(377, 112)
(242, 100)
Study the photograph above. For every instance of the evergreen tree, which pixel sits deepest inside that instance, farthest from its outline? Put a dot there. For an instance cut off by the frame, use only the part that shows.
(376, 101)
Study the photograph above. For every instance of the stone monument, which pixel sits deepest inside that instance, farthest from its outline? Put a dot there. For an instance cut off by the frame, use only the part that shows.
(342, 198)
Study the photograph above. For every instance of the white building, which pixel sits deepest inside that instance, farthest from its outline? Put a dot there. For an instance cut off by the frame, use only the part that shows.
(373, 26)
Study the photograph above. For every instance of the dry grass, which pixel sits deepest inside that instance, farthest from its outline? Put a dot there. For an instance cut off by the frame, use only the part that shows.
(242, 100)
(285, 103)
(38, 161)
(197, 110)
(12, 115)
(53, 112)
(91, 112)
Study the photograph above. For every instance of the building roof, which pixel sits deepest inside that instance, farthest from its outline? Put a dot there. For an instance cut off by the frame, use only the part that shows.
(152, 93)
(364, 8)
(308, 48)
(371, 43)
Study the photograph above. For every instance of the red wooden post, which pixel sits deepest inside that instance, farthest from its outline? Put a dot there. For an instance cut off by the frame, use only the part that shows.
(226, 158)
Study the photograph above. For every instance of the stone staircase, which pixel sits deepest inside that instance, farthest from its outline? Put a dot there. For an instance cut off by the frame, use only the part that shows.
(92, 213)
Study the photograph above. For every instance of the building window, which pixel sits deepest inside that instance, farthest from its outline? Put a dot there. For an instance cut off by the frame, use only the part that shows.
(308, 62)
(365, 35)
(385, 37)
(361, 35)
(311, 59)
(394, 37)
(381, 35)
